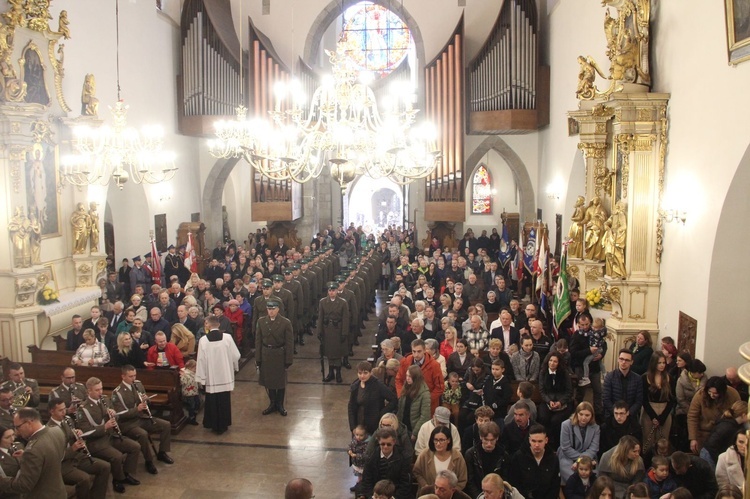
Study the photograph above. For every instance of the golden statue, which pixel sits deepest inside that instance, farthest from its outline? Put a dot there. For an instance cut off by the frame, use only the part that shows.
(594, 223)
(35, 238)
(15, 16)
(37, 14)
(80, 222)
(89, 103)
(575, 234)
(94, 227)
(613, 240)
(63, 24)
(20, 234)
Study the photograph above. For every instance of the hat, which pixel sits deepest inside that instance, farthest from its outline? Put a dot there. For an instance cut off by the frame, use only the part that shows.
(272, 304)
(148, 255)
(339, 279)
(277, 278)
(171, 246)
(332, 285)
(287, 271)
(296, 266)
(443, 415)
(266, 283)
(136, 258)
(233, 302)
(352, 266)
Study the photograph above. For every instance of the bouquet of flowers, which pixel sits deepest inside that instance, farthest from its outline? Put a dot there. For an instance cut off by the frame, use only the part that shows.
(47, 295)
(594, 297)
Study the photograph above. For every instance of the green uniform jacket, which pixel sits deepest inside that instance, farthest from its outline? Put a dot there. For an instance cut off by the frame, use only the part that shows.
(274, 350)
(40, 476)
(333, 327)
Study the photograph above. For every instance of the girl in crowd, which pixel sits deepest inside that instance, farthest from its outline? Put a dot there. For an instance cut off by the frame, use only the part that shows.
(460, 360)
(414, 403)
(658, 401)
(623, 464)
(556, 391)
(731, 467)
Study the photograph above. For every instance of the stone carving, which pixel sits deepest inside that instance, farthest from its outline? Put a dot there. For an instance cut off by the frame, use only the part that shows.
(25, 288)
(20, 234)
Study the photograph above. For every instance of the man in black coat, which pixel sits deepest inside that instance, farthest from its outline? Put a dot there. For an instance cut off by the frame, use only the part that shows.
(617, 425)
(535, 470)
(484, 458)
(388, 464)
(694, 474)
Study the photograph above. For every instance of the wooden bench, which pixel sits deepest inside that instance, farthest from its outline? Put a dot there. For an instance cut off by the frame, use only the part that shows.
(47, 367)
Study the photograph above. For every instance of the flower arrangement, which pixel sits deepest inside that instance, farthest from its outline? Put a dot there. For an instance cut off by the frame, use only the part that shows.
(594, 297)
(47, 295)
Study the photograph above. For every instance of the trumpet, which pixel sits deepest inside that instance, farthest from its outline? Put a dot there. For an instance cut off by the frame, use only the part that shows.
(113, 416)
(69, 421)
(20, 397)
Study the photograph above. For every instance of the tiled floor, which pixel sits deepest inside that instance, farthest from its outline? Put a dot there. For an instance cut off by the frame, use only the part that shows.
(259, 454)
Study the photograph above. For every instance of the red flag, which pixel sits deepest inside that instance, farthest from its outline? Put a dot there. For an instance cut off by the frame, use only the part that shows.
(156, 269)
(191, 262)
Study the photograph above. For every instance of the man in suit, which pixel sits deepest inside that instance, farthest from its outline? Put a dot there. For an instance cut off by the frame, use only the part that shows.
(506, 333)
(167, 307)
(77, 468)
(114, 288)
(184, 319)
(116, 316)
(40, 475)
(156, 323)
(136, 421)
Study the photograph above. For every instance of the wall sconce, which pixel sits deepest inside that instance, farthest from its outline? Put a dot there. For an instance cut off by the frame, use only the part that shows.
(555, 189)
(673, 215)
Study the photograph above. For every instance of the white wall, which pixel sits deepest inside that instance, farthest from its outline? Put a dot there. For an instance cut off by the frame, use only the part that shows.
(505, 197)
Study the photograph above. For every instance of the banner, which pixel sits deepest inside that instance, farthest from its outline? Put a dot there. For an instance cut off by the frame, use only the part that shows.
(191, 262)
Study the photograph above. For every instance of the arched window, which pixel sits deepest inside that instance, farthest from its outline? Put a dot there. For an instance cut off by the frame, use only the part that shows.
(378, 40)
(481, 192)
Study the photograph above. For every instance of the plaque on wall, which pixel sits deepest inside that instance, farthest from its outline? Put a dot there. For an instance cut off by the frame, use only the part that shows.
(160, 235)
(687, 330)
(195, 217)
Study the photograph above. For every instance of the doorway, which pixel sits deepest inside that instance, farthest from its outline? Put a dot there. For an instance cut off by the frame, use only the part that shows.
(375, 204)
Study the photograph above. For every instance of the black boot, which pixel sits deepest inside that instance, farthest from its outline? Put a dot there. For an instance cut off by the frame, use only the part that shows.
(272, 405)
(302, 339)
(346, 364)
(280, 402)
(338, 375)
(330, 375)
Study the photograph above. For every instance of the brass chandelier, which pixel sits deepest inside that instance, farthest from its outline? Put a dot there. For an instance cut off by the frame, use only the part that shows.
(342, 127)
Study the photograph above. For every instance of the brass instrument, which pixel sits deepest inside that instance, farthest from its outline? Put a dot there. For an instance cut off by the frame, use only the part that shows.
(69, 421)
(21, 399)
(112, 415)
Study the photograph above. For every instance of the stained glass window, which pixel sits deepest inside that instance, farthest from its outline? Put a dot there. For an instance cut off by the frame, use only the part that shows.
(378, 39)
(481, 192)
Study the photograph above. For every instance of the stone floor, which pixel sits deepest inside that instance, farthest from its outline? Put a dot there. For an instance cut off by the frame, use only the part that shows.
(259, 454)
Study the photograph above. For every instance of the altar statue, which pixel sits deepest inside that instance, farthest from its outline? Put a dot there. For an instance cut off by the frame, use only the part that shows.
(20, 233)
(575, 234)
(80, 222)
(594, 223)
(613, 240)
(89, 103)
(35, 238)
(94, 227)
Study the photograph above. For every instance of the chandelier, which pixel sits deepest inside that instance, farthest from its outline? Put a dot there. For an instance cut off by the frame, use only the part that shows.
(118, 153)
(342, 127)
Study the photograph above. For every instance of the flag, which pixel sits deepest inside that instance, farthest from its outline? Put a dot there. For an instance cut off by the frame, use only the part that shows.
(530, 251)
(541, 262)
(156, 259)
(505, 251)
(561, 303)
(191, 262)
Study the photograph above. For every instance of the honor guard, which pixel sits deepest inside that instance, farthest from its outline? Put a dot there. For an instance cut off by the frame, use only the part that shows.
(333, 330)
(298, 298)
(259, 305)
(274, 345)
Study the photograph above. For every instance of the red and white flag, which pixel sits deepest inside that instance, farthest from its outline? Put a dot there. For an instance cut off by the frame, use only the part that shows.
(156, 270)
(191, 262)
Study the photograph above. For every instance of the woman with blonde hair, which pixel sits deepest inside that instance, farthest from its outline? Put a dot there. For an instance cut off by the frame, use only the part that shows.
(448, 346)
(92, 352)
(579, 436)
(193, 282)
(125, 353)
(623, 464)
(183, 339)
(414, 402)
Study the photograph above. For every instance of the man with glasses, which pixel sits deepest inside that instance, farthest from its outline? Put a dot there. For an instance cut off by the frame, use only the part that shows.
(445, 487)
(69, 391)
(579, 350)
(623, 384)
(493, 487)
(41, 467)
(441, 417)
(489, 451)
(389, 463)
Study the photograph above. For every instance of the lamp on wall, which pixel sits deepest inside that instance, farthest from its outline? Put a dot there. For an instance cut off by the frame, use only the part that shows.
(119, 153)
(673, 215)
(555, 189)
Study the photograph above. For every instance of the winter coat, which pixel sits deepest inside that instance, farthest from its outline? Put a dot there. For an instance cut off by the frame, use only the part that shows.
(729, 469)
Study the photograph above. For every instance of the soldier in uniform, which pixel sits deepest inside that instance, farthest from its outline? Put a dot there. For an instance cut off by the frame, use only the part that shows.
(139, 275)
(259, 305)
(298, 298)
(315, 287)
(351, 302)
(77, 468)
(98, 423)
(135, 419)
(305, 287)
(20, 384)
(285, 296)
(333, 330)
(69, 391)
(274, 344)
(6, 408)
(172, 264)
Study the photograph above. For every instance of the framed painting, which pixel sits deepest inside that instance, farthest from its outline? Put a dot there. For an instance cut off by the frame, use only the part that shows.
(41, 187)
(738, 30)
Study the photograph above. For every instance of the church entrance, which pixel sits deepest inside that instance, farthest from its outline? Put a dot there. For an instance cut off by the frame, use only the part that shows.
(375, 204)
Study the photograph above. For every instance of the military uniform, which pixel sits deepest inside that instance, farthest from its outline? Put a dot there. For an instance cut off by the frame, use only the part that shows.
(77, 469)
(298, 298)
(102, 444)
(305, 287)
(137, 425)
(260, 310)
(13, 386)
(40, 474)
(6, 417)
(274, 347)
(172, 265)
(75, 392)
(352, 303)
(333, 329)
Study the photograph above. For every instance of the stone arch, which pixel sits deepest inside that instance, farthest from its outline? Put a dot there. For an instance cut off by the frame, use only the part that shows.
(517, 167)
(213, 192)
(727, 289)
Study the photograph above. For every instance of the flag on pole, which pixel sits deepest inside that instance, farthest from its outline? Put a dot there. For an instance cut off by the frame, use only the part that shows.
(561, 303)
(541, 262)
(191, 262)
(156, 259)
(505, 249)
(530, 251)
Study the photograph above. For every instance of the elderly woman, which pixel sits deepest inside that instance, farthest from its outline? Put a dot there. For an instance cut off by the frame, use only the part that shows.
(491, 305)
(388, 351)
(440, 456)
(126, 353)
(369, 399)
(92, 352)
(433, 348)
(403, 440)
(139, 309)
(419, 307)
(579, 436)
(623, 464)
(183, 339)
(386, 372)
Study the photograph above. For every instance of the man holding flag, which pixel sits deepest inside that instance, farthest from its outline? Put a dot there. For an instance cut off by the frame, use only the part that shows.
(561, 303)
(506, 254)
(529, 255)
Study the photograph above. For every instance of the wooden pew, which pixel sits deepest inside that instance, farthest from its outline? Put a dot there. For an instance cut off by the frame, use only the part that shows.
(47, 367)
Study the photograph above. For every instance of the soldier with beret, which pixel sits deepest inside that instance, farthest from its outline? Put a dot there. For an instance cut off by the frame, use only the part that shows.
(274, 346)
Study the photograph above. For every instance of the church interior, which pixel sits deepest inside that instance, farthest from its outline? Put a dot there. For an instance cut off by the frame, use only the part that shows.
(628, 102)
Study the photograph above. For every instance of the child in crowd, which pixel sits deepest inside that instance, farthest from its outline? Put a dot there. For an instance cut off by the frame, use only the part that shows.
(496, 391)
(452, 396)
(190, 394)
(482, 415)
(561, 347)
(384, 489)
(579, 483)
(597, 336)
(658, 479)
(357, 448)
(638, 491)
(524, 392)
(662, 448)
(513, 349)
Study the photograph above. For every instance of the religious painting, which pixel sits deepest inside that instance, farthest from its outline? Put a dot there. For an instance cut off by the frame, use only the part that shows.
(41, 187)
(738, 30)
(573, 127)
(687, 330)
(160, 224)
(33, 75)
(481, 192)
